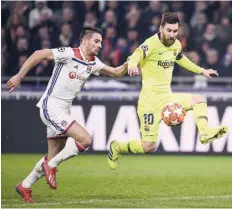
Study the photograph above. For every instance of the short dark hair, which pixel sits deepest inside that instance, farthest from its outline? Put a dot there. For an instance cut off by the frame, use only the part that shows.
(169, 17)
(89, 31)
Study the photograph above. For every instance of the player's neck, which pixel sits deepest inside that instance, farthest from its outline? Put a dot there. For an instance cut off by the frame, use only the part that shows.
(83, 53)
(160, 38)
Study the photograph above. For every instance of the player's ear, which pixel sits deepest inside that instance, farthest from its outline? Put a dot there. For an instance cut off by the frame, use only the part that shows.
(84, 41)
(160, 28)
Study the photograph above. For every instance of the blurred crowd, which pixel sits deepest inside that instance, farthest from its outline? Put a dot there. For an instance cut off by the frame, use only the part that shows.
(205, 31)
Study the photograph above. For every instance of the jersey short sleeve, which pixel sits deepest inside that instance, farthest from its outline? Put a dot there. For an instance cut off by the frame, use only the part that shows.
(62, 54)
(97, 67)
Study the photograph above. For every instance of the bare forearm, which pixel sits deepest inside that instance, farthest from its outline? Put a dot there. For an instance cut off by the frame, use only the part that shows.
(35, 59)
(32, 61)
(121, 70)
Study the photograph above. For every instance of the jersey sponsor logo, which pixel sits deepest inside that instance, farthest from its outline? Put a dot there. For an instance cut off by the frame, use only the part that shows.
(166, 64)
(73, 75)
(61, 49)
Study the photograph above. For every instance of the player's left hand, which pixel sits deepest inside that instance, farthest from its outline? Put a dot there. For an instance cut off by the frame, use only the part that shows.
(14, 82)
(209, 72)
(133, 71)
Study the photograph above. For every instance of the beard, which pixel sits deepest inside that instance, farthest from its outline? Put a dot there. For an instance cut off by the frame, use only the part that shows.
(168, 41)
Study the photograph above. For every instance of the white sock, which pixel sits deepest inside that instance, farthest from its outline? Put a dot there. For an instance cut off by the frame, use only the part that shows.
(67, 152)
(35, 175)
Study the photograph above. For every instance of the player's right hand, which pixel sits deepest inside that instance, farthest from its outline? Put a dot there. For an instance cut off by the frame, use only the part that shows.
(209, 72)
(133, 71)
(14, 82)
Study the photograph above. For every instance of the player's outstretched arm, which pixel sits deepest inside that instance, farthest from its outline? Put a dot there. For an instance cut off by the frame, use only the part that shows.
(133, 63)
(114, 71)
(184, 62)
(32, 61)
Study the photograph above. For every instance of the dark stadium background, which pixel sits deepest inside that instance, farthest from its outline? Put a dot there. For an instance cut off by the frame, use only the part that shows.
(205, 31)
(205, 34)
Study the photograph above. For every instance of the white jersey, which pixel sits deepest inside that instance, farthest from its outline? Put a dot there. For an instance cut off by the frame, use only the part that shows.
(70, 73)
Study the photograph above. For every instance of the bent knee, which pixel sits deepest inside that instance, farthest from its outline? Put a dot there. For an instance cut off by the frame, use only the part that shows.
(86, 141)
(196, 99)
(149, 146)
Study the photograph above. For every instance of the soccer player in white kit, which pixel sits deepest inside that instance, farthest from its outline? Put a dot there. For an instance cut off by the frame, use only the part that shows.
(73, 66)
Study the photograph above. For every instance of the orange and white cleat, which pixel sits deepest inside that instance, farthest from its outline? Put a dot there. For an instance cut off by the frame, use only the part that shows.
(50, 175)
(24, 192)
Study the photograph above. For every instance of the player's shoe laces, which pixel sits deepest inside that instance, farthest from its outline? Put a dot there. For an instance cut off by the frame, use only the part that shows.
(24, 192)
(50, 175)
(114, 154)
(212, 134)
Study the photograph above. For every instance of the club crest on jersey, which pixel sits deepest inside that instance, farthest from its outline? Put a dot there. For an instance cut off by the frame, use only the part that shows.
(144, 47)
(146, 128)
(175, 52)
(89, 69)
(61, 49)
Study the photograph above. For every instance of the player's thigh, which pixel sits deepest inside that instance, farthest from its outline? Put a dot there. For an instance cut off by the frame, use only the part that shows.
(55, 146)
(59, 124)
(57, 120)
(184, 99)
(149, 123)
(77, 132)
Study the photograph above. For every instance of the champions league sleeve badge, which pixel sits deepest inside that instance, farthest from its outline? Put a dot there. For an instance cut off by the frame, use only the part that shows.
(144, 47)
(61, 49)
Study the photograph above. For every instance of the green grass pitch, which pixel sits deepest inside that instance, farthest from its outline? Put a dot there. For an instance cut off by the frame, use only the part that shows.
(140, 182)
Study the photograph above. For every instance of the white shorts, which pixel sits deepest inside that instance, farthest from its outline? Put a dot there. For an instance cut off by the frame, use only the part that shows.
(56, 118)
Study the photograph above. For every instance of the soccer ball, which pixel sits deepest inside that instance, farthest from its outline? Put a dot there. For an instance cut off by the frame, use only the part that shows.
(173, 114)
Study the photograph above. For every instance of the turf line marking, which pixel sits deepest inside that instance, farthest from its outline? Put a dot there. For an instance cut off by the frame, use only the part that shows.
(106, 200)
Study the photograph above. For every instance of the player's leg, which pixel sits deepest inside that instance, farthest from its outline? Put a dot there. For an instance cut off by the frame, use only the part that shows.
(79, 142)
(55, 157)
(198, 104)
(24, 188)
(59, 119)
(70, 150)
(55, 145)
(149, 124)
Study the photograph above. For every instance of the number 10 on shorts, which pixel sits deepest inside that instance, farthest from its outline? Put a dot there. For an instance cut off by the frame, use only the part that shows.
(148, 118)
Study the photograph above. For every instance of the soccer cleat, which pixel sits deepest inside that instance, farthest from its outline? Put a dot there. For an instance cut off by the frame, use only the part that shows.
(212, 134)
(24, 192)
(114, 154)
(50, 175)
